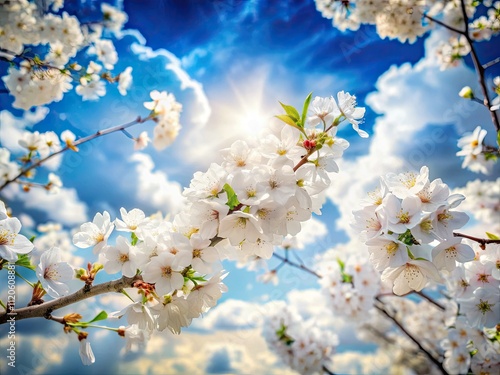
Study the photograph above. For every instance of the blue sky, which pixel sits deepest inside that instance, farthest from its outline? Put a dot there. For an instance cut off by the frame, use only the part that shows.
(227, 61)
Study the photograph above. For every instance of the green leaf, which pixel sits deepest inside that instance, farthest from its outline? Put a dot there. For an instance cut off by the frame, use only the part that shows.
(288, 120)
(305, 109)
(498, 138)
(232, 199)
(341, 264)
(492, 236)
(134, 239)
(490, 156)
(283, 336)
(346, 278)
(24, 261)
(291, 111)
(32, 238)
(101, 316)
(407, 238)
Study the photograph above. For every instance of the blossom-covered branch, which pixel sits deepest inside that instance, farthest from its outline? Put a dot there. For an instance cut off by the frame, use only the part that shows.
(46, 308)
(72, 144)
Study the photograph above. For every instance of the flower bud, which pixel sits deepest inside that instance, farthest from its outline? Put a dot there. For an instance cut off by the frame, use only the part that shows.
(466, 93)
(309, 144)
(72, 318)
(121, 331)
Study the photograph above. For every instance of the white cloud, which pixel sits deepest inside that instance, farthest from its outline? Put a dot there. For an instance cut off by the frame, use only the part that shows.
(153, 187)
(12, 127)
(209, 353)
(201, 110)
(231, 315)
(64, 207)
(312, 230)
(26, 220)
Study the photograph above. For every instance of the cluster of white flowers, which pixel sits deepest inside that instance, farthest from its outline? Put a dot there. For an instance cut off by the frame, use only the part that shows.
(11, 242)
(36, 81)
(403, 19)
(495, 103)
(238, 210)
(38, 146)
(8, 169)
(408, 225)
(167, 113)
(349, 285)
(483, 201)
(474, 152)
(450, 53)
(475, 286)
(33, 86)
(300, 344)
(484, 27)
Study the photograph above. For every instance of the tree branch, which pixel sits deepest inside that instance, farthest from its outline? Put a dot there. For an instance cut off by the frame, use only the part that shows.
(327, 371)
(45, 309)
(481, 241)
(451, 28)
(80, 141)
(491, 63)
(435, 303)
(410, 336)
(296, 265)
(479, 68)
(475, 59)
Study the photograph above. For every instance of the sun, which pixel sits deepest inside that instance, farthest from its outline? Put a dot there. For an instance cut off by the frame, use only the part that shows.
(253, 120)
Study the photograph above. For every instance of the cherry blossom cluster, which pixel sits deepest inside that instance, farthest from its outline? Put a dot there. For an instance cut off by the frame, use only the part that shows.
(291, 246)
(403, 19)
(451, 53)
(258, 196)
(349, 283)
(495, 103)
(300, 344)
(471, 338)
(475, 152)
(407, 224)
(391, 17)
(166, 111)
(11, 242)
(262, 192)
(47, 75)
(483, 201)
(38, 146)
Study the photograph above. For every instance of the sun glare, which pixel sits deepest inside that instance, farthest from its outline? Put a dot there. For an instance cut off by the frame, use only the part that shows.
(248, 113)
(252, 121)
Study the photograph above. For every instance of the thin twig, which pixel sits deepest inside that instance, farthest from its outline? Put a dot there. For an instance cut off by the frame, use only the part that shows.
(410, 336)
(327, 371)
(444, 25)
(491, 63)
(479, 68)
(481, 241)
(475, 59)
(45, 309)
(435, 303)
(80, 141)
(300, 266)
